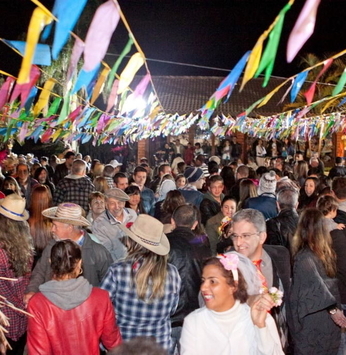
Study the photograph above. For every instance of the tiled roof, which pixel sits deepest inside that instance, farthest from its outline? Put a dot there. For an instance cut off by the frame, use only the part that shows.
(186, 94)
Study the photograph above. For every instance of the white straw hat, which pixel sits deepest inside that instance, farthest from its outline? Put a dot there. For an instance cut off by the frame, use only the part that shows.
(148, 232)
(13, 207)
(67, 212)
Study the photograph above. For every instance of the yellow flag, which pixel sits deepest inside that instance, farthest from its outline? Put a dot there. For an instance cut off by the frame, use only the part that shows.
(99, 84)
(44, 96)
(135, 62)
(39, 19)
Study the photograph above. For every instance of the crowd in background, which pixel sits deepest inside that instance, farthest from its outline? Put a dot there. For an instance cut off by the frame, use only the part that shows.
(185, 252)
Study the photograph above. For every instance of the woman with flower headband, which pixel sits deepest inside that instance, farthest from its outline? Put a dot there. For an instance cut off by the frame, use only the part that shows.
(227, 325)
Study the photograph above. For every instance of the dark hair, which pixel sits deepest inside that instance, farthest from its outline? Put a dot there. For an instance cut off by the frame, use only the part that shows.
(118, 176)
(339, 187)
(213, 179)
(134, 190)
(174, 199)
(184, 216)
(312, 234)
(139, 346)
(64, 256)
(338, 160)
(162, 167)
(39, 170)
(69, 155)
(228, 198)
(261, 170)
(139, 169)
(227, 174)
(213, 167)
(327, 204)
(241, 292)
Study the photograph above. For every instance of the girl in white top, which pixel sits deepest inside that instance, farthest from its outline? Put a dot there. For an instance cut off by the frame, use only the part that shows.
(227, 325)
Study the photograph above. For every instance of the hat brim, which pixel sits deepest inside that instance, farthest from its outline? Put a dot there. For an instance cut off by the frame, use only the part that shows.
(15, 217)
(162, 249)
(51, 213)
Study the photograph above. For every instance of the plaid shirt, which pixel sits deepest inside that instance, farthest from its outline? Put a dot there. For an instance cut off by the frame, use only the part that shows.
(136, 317)
(14, 293)
(110, 182)
(74, 190)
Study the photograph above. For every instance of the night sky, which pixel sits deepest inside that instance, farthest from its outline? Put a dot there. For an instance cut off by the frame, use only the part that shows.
(207, 33)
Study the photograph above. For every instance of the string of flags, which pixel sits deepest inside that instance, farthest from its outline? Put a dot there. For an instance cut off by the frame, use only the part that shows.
(130, 114)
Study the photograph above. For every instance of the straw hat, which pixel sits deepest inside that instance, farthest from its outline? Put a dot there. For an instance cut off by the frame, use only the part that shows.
(67, 212)
(148, 232)
(13, 207)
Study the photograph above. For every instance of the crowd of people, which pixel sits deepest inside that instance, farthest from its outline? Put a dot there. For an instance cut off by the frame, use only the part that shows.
(209, 255)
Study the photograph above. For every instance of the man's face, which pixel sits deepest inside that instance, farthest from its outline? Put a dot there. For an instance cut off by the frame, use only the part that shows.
(140, 178)
(22, 172)
(216, 188)
(123, 183)
(115, 207)
(248, 241)
(166, 170)
(61, 230)
(70, 160)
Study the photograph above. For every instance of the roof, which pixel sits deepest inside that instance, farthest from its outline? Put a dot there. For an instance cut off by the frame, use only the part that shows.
(186, 94)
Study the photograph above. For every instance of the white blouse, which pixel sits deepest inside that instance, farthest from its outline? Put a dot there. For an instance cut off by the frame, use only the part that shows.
(206, 332)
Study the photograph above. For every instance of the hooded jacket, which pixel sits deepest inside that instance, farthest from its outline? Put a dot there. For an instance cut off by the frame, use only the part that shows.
(71, 317)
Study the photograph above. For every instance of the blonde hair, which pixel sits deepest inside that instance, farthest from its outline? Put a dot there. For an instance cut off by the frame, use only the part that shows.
(312, 234)
(149, 271)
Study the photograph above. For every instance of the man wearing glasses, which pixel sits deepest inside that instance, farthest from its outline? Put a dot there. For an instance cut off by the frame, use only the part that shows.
(272, 261)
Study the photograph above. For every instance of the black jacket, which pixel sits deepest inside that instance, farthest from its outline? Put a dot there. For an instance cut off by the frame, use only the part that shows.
(280, 229)
(209, 207)
(339, 246)
(187, 255)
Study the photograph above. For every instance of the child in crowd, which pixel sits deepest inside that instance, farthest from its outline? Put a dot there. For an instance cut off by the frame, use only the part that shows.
(328, 205)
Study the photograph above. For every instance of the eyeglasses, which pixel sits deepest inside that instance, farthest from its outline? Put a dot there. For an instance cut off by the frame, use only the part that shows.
(245, 236)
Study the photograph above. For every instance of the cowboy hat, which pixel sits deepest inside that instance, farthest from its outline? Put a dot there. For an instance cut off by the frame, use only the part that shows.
(13, 207)
(67, 212)
(148, 232)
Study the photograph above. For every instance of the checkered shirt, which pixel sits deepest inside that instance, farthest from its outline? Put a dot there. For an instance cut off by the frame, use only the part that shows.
(14, 293)
(74, 190)
(136, 317)
(110, 182)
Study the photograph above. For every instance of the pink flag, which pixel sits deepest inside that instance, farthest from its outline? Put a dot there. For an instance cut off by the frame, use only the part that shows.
(24, 89)
(5, 90)
(113, 96)
(309, 95)
(101, 29)
(303, 28)
(75, 56)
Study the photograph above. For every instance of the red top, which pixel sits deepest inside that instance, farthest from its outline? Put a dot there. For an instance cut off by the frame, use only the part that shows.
(76, 331)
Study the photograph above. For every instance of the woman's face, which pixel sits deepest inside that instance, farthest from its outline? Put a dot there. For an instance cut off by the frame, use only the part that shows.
(97, 206)
(181, 182)
(8, 185)
(309, 187)
(134, 199)
(43, 176)
(217, 293)
(228, 208)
